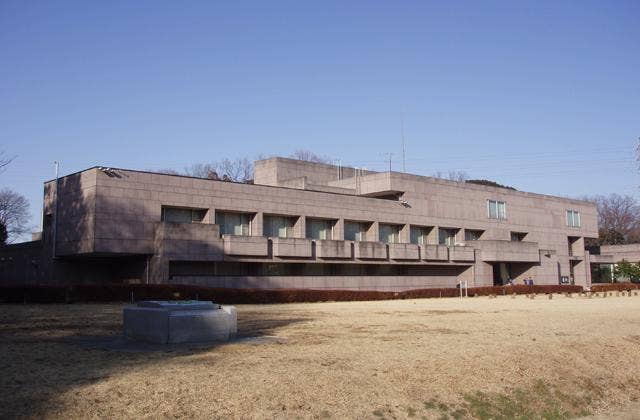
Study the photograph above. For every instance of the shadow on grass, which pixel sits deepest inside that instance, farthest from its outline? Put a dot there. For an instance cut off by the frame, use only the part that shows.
(48, 350)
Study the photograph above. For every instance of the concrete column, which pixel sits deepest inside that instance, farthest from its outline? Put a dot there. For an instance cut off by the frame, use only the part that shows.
(432, 236)
(300, 227)
(548, 272)
(483, 273)
(159, 270)
(338, 230)
(587, 262)
(467, 275)
(405, 234)
(373, 234)
(459, 238)
(257, 224)
(579, 274)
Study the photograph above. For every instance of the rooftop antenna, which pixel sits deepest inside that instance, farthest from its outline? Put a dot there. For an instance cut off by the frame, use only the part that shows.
(56, 166)
(388, 156)
(404, 162)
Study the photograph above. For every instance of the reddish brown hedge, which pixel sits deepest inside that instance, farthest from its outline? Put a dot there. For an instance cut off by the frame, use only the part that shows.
(615, 287)
(126, 293)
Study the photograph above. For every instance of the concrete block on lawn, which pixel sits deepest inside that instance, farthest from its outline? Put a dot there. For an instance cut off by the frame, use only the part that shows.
(232, 315)
(173, 322)
(198, 326)
(146, 324)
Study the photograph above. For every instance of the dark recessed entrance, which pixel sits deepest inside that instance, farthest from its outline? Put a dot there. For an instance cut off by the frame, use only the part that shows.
(501, 273)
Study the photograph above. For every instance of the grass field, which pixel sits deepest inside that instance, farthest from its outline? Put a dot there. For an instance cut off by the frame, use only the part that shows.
(432, 358)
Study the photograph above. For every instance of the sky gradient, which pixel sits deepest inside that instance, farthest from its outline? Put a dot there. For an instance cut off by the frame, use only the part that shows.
(543, 96)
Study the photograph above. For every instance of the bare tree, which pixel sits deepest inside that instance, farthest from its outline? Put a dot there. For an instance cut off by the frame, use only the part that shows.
(203, 170)
(236, 170)
(458, 176)
(309, 156)
(167, 171)
(14, 215)
(239, 170)
(5, 160)
(618, 219)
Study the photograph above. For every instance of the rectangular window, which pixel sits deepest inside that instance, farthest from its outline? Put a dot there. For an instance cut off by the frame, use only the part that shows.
(389, 234)
(447, 236)
(320, 228)
(234, 223)
(573, 218)
(472, 235)
(355, 231)
(279, 226)
(419, 235)
(497, 209)
(183, 215)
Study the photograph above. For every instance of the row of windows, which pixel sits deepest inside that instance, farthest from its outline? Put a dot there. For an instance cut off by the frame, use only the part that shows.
(232, 223)
(282, 226)
(498, 210)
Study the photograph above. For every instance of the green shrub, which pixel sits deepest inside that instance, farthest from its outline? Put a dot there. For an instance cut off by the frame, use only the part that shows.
(627, 270)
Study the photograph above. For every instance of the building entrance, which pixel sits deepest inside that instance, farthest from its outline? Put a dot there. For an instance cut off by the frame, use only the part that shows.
(501, 273)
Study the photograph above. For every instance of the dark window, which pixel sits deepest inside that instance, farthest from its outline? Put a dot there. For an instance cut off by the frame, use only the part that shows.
(320, 228)
(472, 235)
(518, 236)
(183, 215)
(356, 231)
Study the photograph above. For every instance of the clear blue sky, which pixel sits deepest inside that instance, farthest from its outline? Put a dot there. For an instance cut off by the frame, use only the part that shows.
(544, 96)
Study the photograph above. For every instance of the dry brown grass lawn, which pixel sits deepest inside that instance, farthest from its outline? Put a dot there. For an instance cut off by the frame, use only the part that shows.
(433, 358)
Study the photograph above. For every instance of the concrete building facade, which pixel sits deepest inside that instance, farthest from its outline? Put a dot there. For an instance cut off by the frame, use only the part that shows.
(307, 225)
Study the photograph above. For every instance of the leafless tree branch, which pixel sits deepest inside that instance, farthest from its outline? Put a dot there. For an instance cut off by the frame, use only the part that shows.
(309, 156)
(5, 160)
(14, 215)
(618, 219)
(458, 176)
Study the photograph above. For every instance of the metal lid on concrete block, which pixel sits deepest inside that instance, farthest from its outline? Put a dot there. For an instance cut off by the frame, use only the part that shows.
(179, 305)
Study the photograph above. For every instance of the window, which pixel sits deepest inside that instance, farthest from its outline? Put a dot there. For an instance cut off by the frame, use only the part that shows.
(389, 234)
(573, 218)
(320, 228)
(419, 235)
(183, 215)
(497, 209)
(279, 226)
(518, 236)
(472, 235)
(234, 223)
(355, 231)
(447, 236)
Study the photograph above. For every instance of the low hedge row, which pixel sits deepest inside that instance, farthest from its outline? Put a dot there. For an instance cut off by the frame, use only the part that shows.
(615, 287)
(127, 293)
